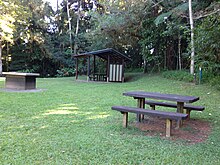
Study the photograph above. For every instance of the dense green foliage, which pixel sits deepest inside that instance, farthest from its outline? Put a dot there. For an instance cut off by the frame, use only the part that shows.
(155, 34)
(198, 78)
(72, 122)
(207, 45)
(179, 75)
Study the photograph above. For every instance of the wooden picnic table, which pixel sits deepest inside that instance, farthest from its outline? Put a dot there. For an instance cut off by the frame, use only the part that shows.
(141, 96)
(98, 77)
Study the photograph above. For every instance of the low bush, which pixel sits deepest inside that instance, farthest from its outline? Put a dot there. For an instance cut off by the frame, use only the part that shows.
(179, 75)
(65, 72)
(185, 76)
(215, 82)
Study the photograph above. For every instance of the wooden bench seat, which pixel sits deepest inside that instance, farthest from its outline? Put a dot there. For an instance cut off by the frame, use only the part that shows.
(188, 107)
(92, 78)
(169, 116)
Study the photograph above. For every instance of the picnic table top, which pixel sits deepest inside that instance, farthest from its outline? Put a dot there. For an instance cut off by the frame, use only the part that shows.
(161, 96)
(20, 74)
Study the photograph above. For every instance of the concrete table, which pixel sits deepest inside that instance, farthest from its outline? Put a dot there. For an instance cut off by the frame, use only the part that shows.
(20, 81)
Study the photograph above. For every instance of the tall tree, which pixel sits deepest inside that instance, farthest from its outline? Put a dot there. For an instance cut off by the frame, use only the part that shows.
(192, 60)
(77, 27)
(70, 26)
(9, 12)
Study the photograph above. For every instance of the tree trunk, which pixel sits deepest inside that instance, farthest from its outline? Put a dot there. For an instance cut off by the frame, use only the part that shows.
(70, 26)
(77, 27)
(192, 38)
(0, 55)
(179, 52)
(145, 65)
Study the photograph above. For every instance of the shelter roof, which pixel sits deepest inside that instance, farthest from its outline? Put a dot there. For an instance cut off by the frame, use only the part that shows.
(114, 54)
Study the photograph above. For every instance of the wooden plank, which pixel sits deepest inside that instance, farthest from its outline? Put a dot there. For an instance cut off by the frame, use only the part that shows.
(160, 96)
(169, 116)
(173, 105)
(162, 114)
(120, 73)
(111, 73)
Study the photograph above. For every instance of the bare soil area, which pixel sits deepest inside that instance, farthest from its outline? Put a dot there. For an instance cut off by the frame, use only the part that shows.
(193, 131)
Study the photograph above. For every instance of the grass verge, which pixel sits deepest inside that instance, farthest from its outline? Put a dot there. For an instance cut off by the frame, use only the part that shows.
(72, 122)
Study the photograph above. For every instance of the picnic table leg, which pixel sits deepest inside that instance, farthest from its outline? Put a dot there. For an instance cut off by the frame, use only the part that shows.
(141, 104)
(125, 119)
(152, 107)
(180, 106)
(168, 127)
(188, 113)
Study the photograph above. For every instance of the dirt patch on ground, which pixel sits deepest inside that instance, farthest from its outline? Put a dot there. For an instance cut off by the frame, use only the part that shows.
(193, 131)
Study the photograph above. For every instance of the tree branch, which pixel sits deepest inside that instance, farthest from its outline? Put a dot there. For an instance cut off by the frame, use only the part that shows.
(206, 15)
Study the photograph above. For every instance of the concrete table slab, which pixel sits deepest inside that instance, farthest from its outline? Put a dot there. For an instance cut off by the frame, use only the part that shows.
(20, 81)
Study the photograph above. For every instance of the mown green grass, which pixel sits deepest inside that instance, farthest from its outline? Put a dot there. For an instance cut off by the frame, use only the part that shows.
(72, 123)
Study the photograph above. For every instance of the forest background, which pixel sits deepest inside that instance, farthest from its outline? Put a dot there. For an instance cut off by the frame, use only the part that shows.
(156, 34)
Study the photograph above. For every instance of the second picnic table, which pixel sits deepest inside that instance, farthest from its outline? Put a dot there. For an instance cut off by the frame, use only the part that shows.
(141, 96)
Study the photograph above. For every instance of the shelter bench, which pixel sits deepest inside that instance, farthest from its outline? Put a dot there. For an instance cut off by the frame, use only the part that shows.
(188, 107)
(169, 116)
(98, 77)
(92, 77)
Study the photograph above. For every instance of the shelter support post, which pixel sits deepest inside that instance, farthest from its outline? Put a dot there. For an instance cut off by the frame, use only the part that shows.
(108, 68)
(123, 72)
(76, 68)
(88, 69)
(94, 64)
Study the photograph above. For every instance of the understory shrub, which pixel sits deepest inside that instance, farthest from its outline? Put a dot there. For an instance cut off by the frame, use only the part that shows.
(65, 72)
(179, 75)
(27, 71)
(215, 82)
(206, 77)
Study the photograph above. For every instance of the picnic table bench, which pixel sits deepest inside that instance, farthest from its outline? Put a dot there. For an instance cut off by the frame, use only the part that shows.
(140, 110)
(179, 99)
(188, 107)
(169, 116)
(20, 81)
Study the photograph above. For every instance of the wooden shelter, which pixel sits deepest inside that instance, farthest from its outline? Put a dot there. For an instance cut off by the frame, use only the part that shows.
(115, 63)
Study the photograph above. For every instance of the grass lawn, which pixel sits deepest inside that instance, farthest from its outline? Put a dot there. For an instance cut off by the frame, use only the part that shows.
(72, 123)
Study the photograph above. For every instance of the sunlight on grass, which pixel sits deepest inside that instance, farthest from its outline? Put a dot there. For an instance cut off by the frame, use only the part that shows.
(43, 127)
(59, 112)
(63, 109)
(100, 116)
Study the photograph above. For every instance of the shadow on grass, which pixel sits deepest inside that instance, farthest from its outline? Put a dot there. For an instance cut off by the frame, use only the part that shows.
(131, 77)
